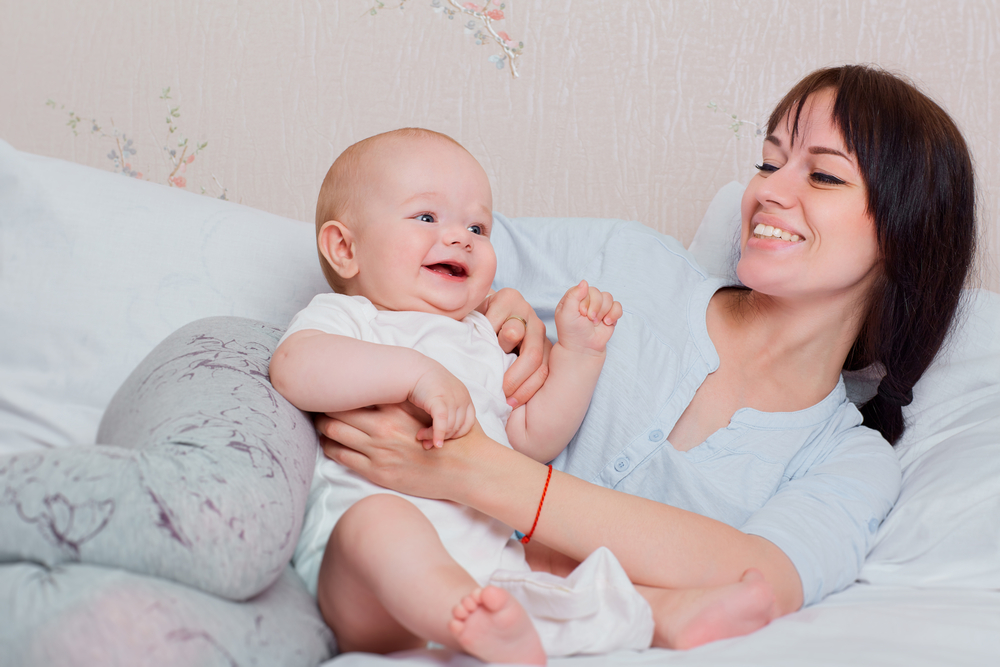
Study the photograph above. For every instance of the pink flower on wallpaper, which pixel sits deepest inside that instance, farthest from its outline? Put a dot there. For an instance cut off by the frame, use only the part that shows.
(124, 149)
(481, 27)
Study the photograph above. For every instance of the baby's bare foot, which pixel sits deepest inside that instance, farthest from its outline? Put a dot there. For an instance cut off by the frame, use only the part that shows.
(491, 625)
(711, 614)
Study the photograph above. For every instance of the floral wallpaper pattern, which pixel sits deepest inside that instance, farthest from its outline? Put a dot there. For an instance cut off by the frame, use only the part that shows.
(738, 126)
(178, 151)
(482, 25)
(632, 110)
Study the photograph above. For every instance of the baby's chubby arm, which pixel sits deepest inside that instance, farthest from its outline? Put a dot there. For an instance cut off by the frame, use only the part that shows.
(321, 372)
(585, 319)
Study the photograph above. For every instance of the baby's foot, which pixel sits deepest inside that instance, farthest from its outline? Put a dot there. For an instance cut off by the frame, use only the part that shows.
(491, 625)
(726, 611)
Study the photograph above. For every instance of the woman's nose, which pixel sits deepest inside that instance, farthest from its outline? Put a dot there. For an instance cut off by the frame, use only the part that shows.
(777, 188)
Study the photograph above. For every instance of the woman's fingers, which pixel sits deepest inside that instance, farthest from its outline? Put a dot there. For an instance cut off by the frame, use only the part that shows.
(340, 431)
(345, 456)
(518, 327)
(362, 429)
(511, 333)
(528, 372)
(512, 318)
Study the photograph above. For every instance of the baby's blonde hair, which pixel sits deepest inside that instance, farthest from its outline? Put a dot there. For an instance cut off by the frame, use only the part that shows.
(345, 186)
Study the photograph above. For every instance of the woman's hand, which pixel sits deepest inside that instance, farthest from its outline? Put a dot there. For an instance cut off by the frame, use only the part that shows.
(381, 445)
(505, 310)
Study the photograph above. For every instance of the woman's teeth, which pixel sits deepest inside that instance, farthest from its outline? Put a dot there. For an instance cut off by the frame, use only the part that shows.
(763, 231)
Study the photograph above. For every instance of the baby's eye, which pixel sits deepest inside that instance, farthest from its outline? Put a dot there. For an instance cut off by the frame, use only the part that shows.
(425, 217)
(766, 168)
(825, 179)
(477, 229)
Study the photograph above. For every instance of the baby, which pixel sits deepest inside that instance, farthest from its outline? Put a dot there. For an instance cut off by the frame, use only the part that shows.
(404, 221)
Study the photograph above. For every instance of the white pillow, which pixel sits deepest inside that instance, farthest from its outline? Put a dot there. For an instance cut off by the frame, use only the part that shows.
(945, 528)
(97, 268)
(716, 241)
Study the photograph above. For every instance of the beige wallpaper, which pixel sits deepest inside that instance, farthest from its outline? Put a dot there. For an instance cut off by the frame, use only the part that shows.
(637, 109)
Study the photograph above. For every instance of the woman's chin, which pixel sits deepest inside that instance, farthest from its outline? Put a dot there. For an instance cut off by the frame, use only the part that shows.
(764, 279)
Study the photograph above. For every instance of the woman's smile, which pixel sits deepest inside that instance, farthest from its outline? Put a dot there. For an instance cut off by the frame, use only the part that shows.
(767, 232)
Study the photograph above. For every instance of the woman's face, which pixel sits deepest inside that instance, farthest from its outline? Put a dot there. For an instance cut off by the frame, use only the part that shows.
(812, 193)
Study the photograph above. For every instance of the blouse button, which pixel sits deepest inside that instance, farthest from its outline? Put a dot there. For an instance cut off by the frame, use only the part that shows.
(656, 436)
(621, 465)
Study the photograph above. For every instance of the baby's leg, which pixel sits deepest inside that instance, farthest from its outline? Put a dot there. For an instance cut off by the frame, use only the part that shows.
(387, 584)
(686, 618)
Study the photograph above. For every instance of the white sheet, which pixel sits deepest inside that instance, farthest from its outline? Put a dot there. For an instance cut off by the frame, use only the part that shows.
(874, 626)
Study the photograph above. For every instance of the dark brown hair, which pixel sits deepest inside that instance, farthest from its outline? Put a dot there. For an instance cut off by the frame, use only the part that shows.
(921, 196)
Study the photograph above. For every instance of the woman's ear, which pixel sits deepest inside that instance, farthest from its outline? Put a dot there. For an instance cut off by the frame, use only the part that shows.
(336, 244)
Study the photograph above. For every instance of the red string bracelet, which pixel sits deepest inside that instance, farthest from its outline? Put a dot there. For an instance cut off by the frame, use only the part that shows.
(527, 538)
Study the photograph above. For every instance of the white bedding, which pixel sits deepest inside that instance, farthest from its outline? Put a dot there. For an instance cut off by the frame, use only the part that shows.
(874, 626)
(932, 582)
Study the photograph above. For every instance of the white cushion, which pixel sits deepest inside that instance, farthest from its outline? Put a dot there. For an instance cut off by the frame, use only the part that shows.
(716, 241)
(96, 268)
(945, 528)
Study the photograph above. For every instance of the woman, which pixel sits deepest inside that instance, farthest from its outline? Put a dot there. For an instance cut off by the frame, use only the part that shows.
(724, 403)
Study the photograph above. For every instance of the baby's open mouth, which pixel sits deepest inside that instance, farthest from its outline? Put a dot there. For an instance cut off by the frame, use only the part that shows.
(762, 231)
(454, 270)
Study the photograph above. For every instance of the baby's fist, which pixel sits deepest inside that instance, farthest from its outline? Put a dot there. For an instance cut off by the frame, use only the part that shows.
(586, 317)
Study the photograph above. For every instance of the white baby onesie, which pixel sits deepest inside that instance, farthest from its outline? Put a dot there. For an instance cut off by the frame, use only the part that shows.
(480, 544)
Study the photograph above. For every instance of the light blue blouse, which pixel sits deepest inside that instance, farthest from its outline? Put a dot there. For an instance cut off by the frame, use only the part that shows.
(814, 482)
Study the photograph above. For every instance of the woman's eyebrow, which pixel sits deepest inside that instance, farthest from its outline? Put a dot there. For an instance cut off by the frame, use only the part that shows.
(823, 150)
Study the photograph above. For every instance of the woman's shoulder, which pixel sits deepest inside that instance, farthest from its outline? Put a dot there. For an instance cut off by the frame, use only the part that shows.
(845, 444)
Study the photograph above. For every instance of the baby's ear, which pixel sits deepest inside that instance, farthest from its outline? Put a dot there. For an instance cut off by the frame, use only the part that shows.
(336, 244)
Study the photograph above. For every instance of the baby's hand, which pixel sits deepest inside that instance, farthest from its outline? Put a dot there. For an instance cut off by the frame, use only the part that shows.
(586, 317)
(445, 398)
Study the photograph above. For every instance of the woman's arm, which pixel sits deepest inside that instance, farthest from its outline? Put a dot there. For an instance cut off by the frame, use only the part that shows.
(658, 545)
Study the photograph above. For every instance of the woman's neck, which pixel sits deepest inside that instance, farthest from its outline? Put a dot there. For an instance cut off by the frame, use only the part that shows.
(793, 342)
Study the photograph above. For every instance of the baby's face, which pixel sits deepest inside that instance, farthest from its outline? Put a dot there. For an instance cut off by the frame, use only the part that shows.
(423, 238)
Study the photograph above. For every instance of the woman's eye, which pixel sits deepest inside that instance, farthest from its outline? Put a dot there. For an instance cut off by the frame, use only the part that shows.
(766, 168)
(425, 217)
(477, 229)
(825, 179)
